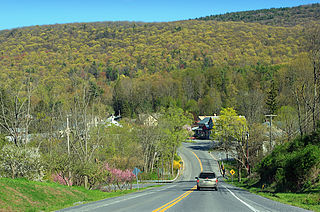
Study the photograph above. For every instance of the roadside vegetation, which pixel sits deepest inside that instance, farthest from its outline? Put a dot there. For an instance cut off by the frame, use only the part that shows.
(290, 174)
(308, 199)
(25, 195)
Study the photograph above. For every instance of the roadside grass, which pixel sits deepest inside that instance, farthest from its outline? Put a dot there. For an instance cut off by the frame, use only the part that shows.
(309, 199)
(24, 195)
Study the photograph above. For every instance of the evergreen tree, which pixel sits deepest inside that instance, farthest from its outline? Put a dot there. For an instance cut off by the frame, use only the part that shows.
(272, 99)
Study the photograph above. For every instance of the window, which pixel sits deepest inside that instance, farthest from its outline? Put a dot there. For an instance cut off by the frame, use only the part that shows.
(207, 175)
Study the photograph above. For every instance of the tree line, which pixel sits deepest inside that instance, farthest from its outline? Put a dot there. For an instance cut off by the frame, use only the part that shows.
(287, 16)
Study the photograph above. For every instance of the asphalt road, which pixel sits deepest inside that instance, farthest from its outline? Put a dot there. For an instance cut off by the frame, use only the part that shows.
(183, 196)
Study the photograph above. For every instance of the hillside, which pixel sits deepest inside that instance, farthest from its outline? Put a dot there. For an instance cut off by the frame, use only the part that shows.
(289, 16)
(24, 195)
(133, 48)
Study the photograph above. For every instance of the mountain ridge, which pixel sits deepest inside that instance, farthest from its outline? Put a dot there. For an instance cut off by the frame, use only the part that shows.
(286, 16)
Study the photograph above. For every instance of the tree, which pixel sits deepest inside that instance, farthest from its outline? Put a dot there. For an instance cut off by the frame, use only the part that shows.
(313, 47)
(232, 132)
(172, 123)
(18, 162)
(251, 104)
(15, 114)
(271, 101)
(287, 119)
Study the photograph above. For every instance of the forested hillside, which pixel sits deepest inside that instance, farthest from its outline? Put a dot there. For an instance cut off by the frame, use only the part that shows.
(288, 16)
(190, 60)
(137, 48)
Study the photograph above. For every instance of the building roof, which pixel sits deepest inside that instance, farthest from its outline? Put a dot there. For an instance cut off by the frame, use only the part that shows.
(205, 120)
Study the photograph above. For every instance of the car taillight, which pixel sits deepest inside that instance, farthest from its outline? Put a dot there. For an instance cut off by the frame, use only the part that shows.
(216, 180)
(197, 180)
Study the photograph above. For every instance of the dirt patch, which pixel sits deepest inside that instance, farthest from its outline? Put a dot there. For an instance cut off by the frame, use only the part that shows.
(6, 209)
(54, 191)
(70, 193)
(2, 204)
(22, 196)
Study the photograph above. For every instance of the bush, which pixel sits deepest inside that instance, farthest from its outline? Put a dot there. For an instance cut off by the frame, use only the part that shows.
(293, 166)
(21, 162)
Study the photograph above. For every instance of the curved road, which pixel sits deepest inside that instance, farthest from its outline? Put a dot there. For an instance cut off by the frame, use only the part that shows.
(183, 196)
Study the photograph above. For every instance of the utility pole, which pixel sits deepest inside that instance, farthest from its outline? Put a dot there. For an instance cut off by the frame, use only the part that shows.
(68, 135)
(270, 115)
(247, 151)
(68, 143)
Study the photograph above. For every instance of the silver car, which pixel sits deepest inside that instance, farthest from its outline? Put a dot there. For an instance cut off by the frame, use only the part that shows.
(207, 180)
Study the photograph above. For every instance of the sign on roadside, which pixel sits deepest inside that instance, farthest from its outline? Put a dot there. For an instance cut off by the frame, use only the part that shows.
(136, 171)
(232, 172)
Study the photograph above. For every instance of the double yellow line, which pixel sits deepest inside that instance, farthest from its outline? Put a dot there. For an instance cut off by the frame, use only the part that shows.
(179, 198)
(175, 201)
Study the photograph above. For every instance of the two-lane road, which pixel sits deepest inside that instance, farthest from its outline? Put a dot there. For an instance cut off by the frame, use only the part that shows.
(182, 195)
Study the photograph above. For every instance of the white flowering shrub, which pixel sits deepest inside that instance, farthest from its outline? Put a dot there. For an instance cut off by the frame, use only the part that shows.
(18, 162)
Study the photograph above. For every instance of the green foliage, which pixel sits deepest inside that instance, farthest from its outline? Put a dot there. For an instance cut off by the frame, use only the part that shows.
(294, 166)
(3, 140)
(24, 195)
(230, 125)
(172, 123)
(287, 120)
(271, 101)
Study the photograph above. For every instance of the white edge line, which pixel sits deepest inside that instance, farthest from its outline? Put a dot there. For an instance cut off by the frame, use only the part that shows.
(243, 202)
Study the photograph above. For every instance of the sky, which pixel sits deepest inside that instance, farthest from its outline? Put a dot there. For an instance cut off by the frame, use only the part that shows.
(20, 13)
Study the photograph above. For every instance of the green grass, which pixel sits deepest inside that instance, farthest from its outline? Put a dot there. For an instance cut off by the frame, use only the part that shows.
(24, 195)
(309, 199)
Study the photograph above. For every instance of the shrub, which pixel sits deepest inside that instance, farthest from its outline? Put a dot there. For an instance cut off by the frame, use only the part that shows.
(21, 162)
(119, 177)
(293, 166)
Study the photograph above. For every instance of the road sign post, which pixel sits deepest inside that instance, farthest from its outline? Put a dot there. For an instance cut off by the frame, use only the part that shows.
(232, 173)
(136, 171)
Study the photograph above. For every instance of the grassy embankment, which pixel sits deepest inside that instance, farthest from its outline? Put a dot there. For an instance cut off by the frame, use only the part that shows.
(309, 199)
(24, 195)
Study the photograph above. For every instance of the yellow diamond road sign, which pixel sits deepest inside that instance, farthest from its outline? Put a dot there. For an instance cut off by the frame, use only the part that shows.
(232, 172)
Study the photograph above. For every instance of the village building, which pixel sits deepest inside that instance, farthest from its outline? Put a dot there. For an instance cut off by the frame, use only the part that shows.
(204, 127)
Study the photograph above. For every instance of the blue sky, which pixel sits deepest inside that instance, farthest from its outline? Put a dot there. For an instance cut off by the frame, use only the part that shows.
(19, 13)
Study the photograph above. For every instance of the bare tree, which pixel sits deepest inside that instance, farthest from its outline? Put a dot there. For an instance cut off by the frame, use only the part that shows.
(15, 114)
(313, 47)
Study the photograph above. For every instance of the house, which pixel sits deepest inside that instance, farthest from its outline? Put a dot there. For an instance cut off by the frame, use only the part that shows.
(203, 128)
(205, 125)
(113, 120)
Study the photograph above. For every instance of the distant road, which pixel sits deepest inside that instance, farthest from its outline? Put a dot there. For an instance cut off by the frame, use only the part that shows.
(182, 195)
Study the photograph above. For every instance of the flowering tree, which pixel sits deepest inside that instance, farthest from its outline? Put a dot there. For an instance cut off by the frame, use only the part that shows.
(18, 162)
(119, 178)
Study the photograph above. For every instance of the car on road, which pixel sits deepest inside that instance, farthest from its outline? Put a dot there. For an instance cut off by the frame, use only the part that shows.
(207, 180)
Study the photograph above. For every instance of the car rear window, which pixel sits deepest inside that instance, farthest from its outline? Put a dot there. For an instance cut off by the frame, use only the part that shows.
(207, 175)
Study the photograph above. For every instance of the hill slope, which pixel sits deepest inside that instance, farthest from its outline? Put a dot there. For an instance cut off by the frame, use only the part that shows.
(130, 48)
(23, 195)
(289, 16)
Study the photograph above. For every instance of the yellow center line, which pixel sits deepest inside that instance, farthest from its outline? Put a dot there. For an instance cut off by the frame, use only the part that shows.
(175, 201)
(179, 198)
(199, 161)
